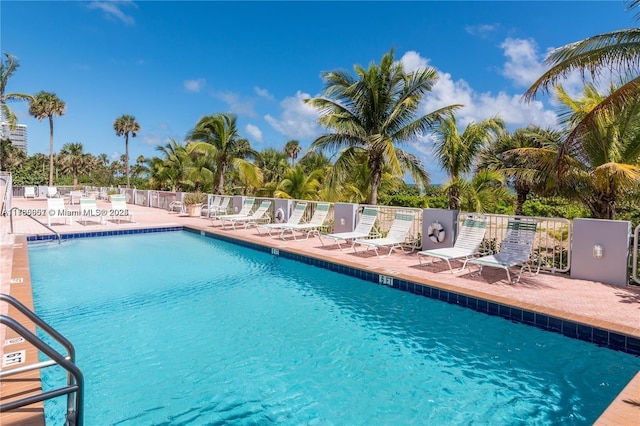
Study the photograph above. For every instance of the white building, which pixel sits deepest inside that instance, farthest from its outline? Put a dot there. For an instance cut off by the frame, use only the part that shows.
(18, 137)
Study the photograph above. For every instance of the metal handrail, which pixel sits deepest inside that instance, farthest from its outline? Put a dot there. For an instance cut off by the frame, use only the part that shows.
(636, 244)
(75, 378)
(34, 219)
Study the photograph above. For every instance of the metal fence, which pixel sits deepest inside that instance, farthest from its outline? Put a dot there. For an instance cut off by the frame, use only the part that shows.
(552, 245)
(635, 260)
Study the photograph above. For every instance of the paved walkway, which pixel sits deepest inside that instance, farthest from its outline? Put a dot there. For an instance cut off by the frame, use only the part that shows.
(592, 303)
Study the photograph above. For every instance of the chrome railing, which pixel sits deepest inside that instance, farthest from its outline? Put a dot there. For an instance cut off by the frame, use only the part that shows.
(636, 247)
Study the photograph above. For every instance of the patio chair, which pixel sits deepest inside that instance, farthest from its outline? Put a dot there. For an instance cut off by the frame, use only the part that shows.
(259, 215)
(57, 209)
(395, 238)
(89, 210)
(221, 209)
(247, 206)
(313, 226)
(467, 244)
(362, 230)
(52, 192)
(177, 206)
(29, 192)
(294, 219)
(212, 206)
(515, 248)
(75, 196)
(119, 208)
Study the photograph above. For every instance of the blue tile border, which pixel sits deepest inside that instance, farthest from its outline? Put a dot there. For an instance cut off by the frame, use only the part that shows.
(94, 234)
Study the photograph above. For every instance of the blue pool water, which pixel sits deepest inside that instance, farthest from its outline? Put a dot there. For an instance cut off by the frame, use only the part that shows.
(178, 329)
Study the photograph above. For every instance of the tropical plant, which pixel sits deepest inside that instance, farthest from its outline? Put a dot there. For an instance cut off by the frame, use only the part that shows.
(249, 175)
(483, 191)
(7, 68)
(457, 153)
(218, 135)
(273, 164)
(315, 161)
(605, 165)
(10, 157)
(74, 160)
(373, 114)
(193, 198)
(298, 185)
(125, 125)
(46, 105)
(519, 173)
(292, 149)
(616, 51)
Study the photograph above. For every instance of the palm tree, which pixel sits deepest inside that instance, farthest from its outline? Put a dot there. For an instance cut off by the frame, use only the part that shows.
(618, 51)
(46, 105)
(10, 157)
(124, 125)
(273, 164)
(74, 160)
(519, 173)
(7, 68)
(605, 165)
(218, 133)
(374, 113)
(485, 188)
(457, 152)
(292, 149)
(299, 186)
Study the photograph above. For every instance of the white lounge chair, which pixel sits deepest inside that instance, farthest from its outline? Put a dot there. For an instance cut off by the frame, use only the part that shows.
(467, 244)
(29, 192)
(362, 230)
(119, 208)
(515, 248)
(395, 238)
(75, 196)
(313, 226)
(211, 207)
(294, 219)
(178, 207)
(259, 215)
(221, 209)
(57, 209)
(52, 192)
(247, 206)
(89, 210)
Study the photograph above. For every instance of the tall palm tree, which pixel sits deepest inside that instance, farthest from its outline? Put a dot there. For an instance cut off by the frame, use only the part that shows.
(374, 113)
(485, 188)
(218, 133)
(457, 153)
(7, 68)
(125, 125)
(74, 160)
(46, 105)
(292, 149)
(273, 164)
(617, 51)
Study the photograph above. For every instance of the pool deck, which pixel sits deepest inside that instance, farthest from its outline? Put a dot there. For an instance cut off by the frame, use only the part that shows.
(599, 305)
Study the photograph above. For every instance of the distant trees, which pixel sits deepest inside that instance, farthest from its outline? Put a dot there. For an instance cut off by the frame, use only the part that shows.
(47, 105)
(7, 68)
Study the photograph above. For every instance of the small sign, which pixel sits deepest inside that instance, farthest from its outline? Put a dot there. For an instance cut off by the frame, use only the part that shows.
(386, 280)
(275, 252)
(17, 245)
(13, 341)
(14, 358)
(16, 280)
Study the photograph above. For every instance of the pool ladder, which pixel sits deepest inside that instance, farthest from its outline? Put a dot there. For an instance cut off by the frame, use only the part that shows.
(75, 380)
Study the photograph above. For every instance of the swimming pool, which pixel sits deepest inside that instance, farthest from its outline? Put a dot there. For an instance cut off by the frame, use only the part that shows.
(175, 328)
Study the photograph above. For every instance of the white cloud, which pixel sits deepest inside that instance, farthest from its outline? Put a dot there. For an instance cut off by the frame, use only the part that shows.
(113, 9)
(523, 65)
(235, 104)
(194, 85)
(264, 93)
(152, 139)
(298, 120)
(254, 132)
(115, 155)
(482, 30)
(412, 61)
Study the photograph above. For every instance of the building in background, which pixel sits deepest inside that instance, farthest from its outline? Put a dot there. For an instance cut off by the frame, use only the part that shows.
(18, 136)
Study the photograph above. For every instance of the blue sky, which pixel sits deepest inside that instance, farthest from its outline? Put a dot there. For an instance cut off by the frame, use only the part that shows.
(168, 63)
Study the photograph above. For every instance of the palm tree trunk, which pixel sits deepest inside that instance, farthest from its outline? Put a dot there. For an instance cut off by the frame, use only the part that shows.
(454, 198)
(376, 178)
(126, 156)
(50, 150)
(522, 198)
